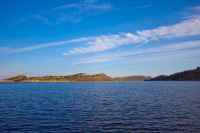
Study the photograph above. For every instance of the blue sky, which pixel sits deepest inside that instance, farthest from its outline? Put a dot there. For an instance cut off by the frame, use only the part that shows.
(116, 37)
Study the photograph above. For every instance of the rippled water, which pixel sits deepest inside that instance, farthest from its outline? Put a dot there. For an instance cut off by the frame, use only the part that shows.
(100, 107)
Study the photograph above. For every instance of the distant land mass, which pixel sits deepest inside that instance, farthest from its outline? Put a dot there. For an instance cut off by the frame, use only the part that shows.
(189, 75)
(132, 78)
(74, 78)
(67, 78)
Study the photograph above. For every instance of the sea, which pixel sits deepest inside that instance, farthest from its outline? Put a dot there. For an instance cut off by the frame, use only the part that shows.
(100, 107)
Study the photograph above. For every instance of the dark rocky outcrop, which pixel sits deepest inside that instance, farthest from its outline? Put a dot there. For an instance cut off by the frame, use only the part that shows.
(189, 75)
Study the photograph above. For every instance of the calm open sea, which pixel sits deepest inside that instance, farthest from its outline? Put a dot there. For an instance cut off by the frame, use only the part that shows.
(100, 107)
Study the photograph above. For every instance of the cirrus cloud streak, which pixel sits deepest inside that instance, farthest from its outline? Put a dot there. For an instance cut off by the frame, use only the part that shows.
(174, 47)
(189, 27)
(93, 44)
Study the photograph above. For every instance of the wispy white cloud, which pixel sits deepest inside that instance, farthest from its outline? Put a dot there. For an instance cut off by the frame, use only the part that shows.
(191, 12)
(41, 18)
(196, 9)
(70, 12)
(185, 28)
(189, 27)
(42, 45)
(85, 6)
(174, 47)
(105, 42)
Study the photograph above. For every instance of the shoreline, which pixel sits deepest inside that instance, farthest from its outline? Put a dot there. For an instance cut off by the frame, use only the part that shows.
(114, 81)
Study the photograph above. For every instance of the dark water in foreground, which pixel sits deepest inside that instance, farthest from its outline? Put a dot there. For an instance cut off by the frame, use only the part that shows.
(100, 107)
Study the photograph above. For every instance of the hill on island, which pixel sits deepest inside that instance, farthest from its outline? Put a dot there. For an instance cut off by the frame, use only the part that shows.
(189, 75)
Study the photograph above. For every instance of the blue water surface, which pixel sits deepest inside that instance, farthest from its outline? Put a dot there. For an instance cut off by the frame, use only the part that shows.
(100, 107)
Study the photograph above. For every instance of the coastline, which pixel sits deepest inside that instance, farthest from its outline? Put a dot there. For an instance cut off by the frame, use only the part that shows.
(12, 82)
(188, 75)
